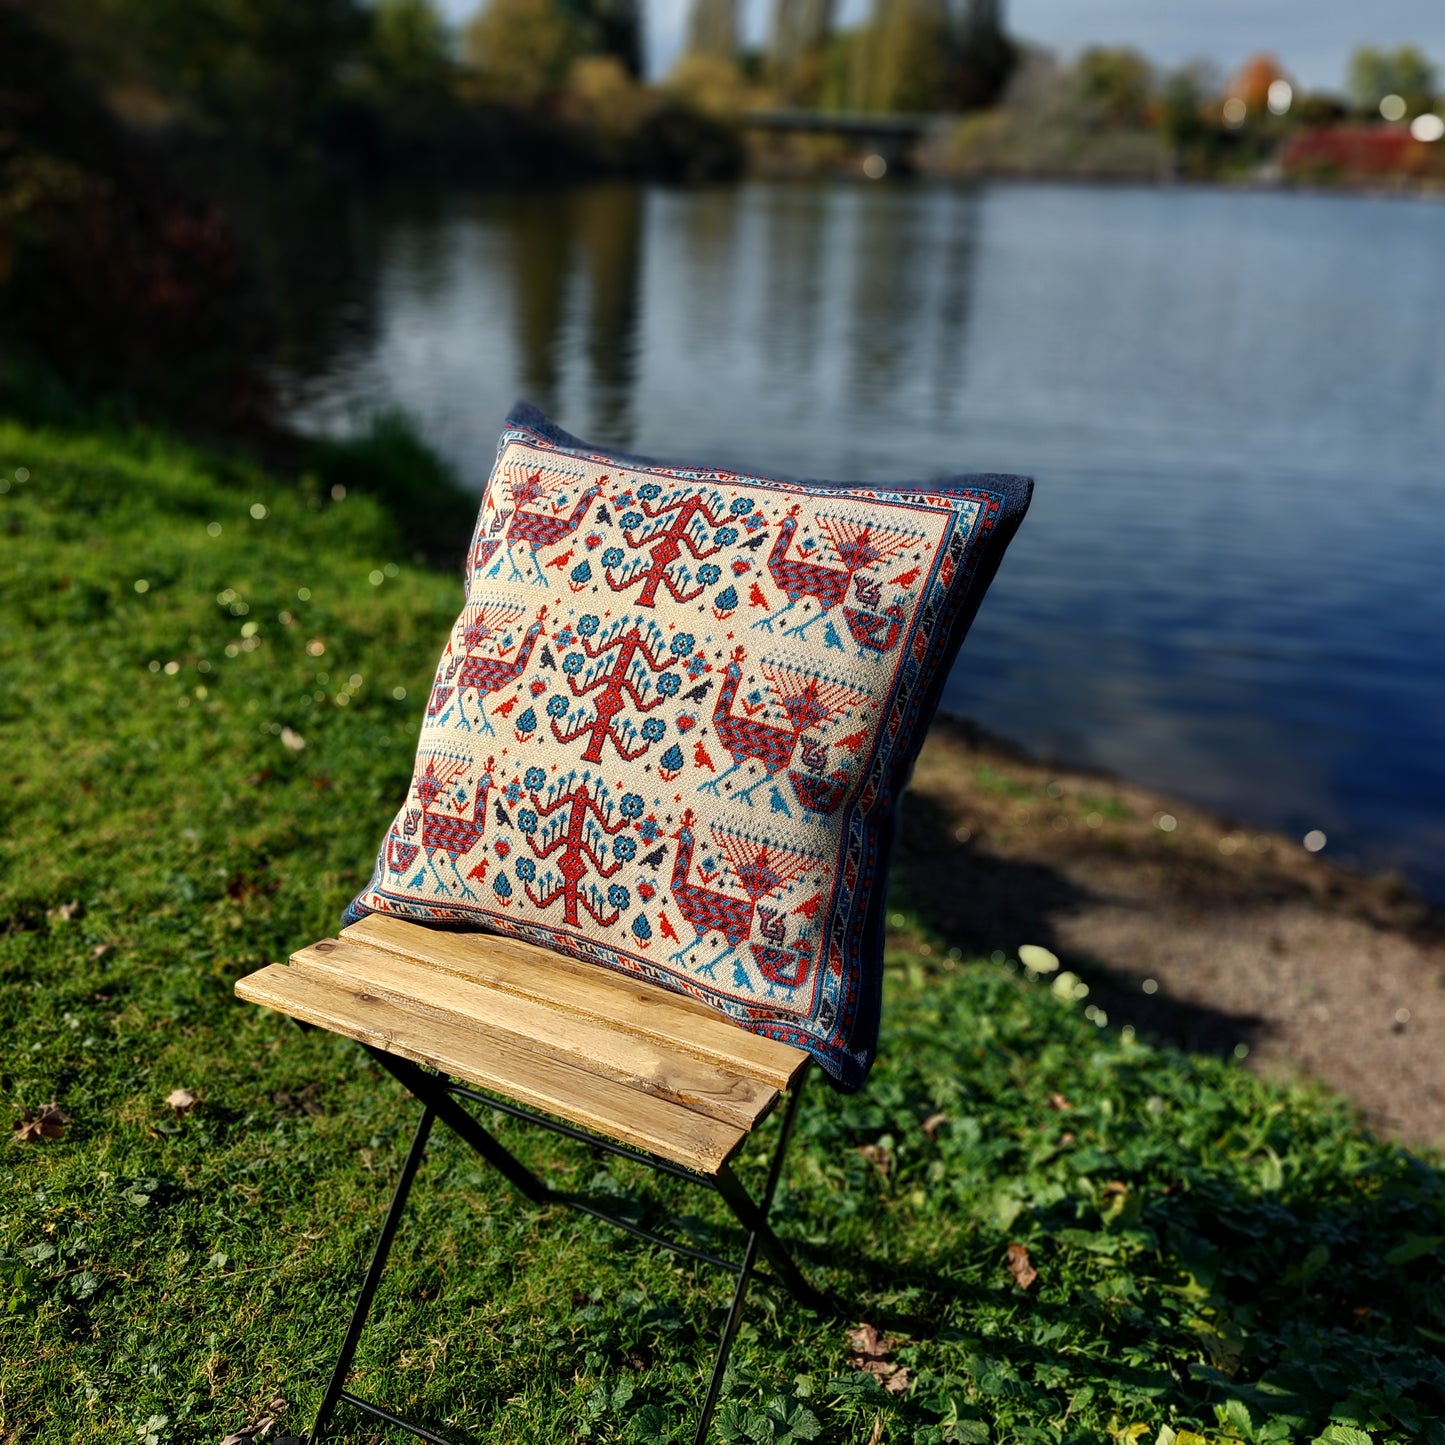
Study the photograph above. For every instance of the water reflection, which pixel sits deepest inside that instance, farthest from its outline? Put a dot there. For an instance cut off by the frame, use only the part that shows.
(1234, 404)
(609, 222)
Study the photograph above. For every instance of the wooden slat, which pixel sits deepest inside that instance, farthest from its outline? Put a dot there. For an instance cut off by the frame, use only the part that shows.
(495, 1061)
(641, 1008)
(600, 1048)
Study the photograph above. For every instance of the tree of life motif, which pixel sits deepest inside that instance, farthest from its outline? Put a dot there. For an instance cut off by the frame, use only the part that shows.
(665, 543)
(808, 700)
(537, 528)
(580, 834)
(614, 669)
(453, 814)
(485, 675)
(857, 543)
(761, 867)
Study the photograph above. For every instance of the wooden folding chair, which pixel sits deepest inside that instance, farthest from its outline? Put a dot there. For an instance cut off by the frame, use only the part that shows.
(610, 1060)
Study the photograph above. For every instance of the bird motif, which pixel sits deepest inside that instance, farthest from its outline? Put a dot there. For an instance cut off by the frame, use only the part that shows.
(820, 795)
(762, 869)
(808, 700)
(877, 632)
(486, 675)
(815, 754)
(858, 545)
(453, 814)
(772, 925)
(539, 529)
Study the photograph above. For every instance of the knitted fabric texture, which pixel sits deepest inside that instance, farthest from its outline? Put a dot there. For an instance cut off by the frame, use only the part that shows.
(670, 728)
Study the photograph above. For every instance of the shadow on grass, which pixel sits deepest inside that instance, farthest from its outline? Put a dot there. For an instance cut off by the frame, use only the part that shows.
(986, 904)
(1244, 1267)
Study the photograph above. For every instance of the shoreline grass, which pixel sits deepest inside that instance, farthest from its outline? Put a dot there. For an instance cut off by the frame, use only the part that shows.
(197, 770)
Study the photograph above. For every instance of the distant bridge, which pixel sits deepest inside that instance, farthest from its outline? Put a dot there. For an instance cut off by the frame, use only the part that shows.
(843, 122)
(890, 136)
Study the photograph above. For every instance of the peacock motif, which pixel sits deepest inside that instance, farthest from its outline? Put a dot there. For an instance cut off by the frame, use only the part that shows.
(857, 544)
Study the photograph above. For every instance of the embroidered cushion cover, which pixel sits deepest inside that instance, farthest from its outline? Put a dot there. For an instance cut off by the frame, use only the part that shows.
(670, 728)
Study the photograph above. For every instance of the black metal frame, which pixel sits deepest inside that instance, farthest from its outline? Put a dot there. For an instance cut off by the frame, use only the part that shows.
(439, 1095)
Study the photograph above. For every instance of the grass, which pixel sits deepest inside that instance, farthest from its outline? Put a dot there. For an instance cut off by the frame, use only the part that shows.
(211, 682)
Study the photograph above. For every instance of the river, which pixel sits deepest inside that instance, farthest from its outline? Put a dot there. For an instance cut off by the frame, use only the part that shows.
(1233, 403)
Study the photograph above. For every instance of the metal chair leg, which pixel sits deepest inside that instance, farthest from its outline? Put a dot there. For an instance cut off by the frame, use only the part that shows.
(359, 1315)
(430, 1088)
(432, 1091)
(725, 1348)
(754, 1218)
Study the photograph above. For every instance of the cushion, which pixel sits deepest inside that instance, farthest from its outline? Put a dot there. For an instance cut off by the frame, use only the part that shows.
(670, 728)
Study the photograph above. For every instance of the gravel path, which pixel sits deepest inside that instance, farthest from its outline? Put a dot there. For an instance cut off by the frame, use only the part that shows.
(1213, 937)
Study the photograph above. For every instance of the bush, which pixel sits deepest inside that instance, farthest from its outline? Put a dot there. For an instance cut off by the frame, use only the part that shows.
(390, 461)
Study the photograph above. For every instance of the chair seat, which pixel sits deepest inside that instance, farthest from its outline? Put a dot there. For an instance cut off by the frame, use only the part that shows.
(615, 1055)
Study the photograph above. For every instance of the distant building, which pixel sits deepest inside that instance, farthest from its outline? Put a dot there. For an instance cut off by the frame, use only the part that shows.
(1361, 153)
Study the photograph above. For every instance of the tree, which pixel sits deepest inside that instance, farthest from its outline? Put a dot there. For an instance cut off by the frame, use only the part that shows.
(709, 85)
(1115, 85)
(1405, 72)
(712, 29)
(264, 66)
(907, 53)
(985, 56)
(1183, 97)
(618, 28)
(410, 46)
(524, 48)
(801, 31)
(1253, 81)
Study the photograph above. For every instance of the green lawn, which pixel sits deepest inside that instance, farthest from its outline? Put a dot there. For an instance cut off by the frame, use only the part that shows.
(1216, 1258)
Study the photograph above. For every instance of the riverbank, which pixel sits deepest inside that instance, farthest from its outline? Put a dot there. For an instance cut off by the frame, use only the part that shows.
(1205, 934)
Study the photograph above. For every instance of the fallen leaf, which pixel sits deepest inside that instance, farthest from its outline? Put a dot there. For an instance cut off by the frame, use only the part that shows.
(292, 739)
(876, 1437)
(303, 1101)
(898, 1382)
(259, 1428)
(1021, 1266)
(877, 1156)
(1057, 1101)
(67, 911)
(931, 1125)
(868, 1344)
(1065, 1139)
(46, 1122)
(182, 1100)
(869, 1353)
(100, 950)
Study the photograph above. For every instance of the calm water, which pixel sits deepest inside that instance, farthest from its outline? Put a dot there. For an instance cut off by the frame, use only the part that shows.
(1234, 404)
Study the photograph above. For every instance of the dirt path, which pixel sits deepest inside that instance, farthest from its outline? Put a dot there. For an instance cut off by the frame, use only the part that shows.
(1209, 936)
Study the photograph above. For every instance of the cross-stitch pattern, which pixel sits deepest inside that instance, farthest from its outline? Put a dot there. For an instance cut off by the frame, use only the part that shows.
(670, 725)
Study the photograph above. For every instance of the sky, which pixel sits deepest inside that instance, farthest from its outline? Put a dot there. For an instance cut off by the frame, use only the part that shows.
(1311, 38)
